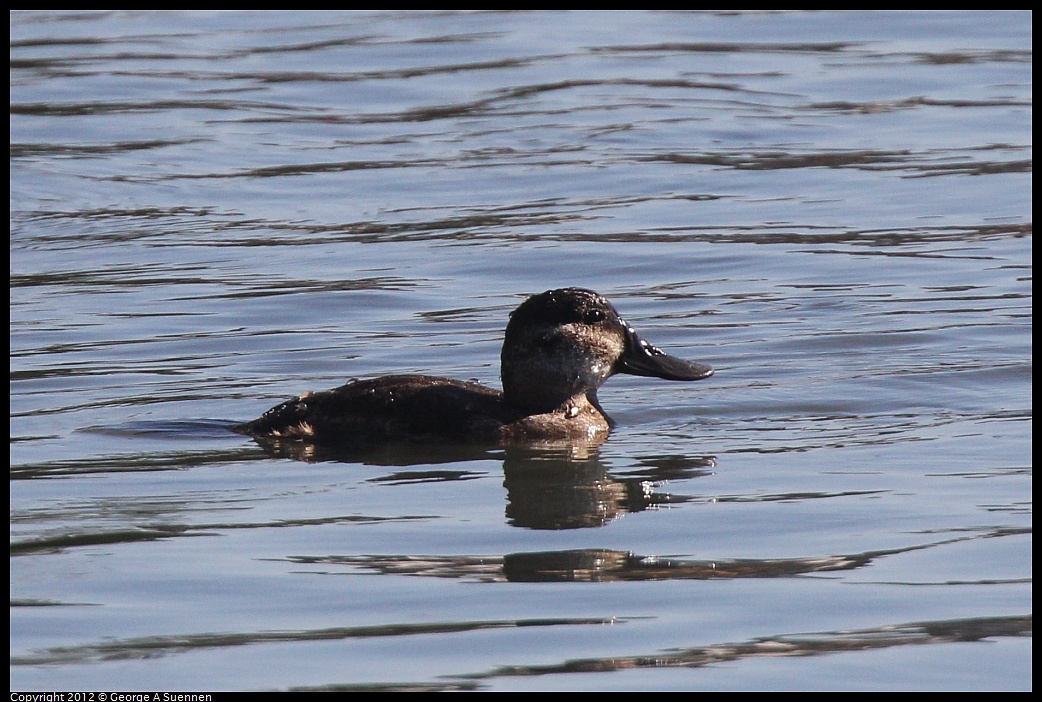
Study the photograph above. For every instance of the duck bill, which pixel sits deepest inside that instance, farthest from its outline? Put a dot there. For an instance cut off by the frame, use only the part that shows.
(641, 358)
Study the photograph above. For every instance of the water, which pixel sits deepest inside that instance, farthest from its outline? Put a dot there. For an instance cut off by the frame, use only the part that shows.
(214, 211)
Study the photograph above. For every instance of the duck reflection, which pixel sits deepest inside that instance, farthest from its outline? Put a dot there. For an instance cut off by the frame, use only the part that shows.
(553, 490)
(550, 485)
(590, 565)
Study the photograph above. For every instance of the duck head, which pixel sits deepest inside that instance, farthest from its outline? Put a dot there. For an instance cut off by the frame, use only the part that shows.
(566, 342)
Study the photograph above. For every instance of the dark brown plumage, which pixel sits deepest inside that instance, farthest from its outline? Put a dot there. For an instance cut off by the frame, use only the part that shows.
(558, 348)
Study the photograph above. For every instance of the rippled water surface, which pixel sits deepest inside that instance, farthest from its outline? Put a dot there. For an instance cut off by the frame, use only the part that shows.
(214, 211)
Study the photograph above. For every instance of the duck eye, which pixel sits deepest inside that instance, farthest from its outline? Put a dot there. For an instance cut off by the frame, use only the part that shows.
(593, 316)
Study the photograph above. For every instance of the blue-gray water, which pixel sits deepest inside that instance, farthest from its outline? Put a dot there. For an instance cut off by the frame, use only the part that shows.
(214, 211)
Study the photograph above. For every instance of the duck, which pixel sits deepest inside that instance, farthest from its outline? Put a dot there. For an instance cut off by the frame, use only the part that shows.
(559, 347)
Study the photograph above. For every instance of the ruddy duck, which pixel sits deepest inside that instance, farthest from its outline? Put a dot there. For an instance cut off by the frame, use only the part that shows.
(558, 348)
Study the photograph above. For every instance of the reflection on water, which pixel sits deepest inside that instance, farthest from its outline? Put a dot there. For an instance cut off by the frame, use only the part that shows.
(553, 492)
(550, 485)
(801, 644)
(811, 644)
(601, 565)
(560, 485)
(572, 566)
(212, 211)
(160, 645)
